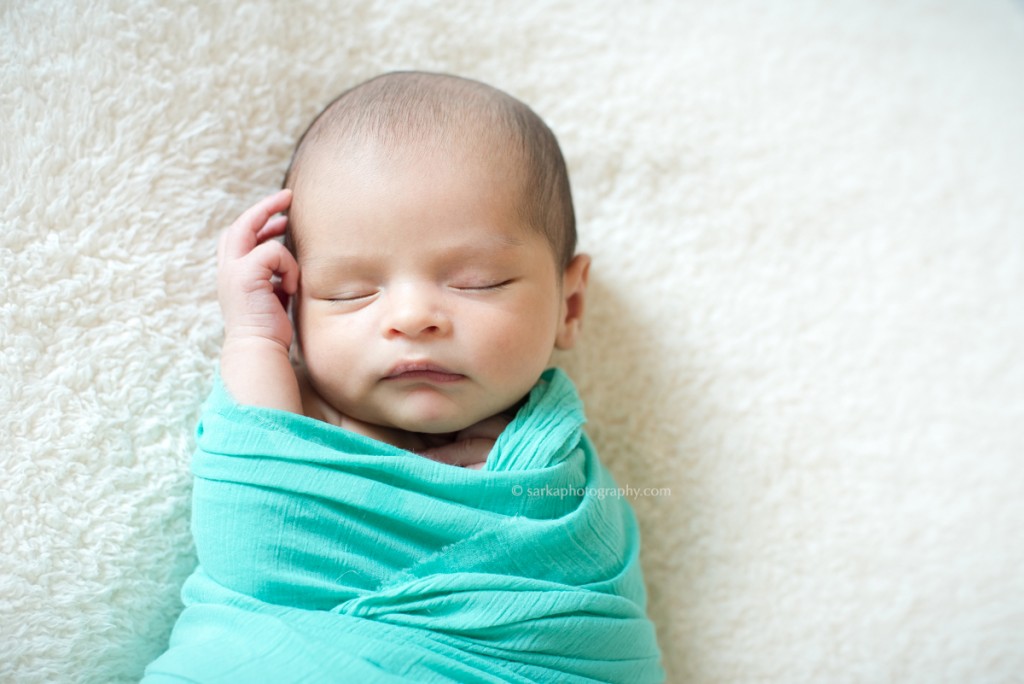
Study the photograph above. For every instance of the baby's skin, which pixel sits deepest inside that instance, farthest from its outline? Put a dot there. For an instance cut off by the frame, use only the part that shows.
(256, 276)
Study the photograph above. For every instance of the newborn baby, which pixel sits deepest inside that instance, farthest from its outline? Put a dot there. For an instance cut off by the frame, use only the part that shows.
(429, 262)
(429, 258)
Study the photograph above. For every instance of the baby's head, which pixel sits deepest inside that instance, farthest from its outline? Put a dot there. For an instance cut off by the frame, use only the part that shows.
(404, 112)
(433, 226)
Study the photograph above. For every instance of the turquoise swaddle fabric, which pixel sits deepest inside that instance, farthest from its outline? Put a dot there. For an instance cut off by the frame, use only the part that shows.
(327, 556)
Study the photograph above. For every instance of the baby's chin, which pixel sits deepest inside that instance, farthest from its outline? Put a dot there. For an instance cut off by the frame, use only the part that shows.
(446, 425)
(450, 426)
(437, 427)
(410, 423)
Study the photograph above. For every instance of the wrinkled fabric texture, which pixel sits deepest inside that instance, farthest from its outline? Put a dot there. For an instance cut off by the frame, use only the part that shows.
(328, 556)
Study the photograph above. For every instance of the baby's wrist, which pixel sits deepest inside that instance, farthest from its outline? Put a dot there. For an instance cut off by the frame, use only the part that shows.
(259, 345)
(258, 372)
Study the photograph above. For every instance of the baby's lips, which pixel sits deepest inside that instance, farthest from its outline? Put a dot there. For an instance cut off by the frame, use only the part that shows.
(422, 368)
(413, 366)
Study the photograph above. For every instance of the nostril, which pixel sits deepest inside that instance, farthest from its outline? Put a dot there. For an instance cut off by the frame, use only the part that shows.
(414, 330)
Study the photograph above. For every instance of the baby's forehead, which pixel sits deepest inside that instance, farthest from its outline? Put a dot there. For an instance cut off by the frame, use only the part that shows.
(373, 181)
(481, 157)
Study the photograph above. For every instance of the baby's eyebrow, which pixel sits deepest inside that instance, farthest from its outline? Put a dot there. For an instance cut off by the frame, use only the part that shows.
(473, 250)
(334, 262)
(470, 251)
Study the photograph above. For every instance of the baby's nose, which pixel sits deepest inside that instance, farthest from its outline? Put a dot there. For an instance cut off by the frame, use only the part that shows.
(414, 309)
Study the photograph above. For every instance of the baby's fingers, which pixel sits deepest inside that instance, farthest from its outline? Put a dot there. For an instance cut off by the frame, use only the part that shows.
(272, 228)
(273, 259)
(251, 227)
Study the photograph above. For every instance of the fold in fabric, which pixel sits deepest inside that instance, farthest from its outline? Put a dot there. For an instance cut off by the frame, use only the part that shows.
(327, 556)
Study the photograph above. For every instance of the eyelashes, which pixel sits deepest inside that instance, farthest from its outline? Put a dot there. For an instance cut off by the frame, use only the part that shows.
(351, 298)
(486, 288)
(359, 296)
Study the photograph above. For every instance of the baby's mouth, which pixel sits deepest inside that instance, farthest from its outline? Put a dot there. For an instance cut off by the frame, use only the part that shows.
(422, 371)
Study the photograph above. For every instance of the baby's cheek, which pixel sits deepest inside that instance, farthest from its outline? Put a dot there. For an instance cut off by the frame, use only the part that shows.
(517, 337)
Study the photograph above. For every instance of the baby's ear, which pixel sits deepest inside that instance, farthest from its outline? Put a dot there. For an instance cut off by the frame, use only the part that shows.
(574, 291)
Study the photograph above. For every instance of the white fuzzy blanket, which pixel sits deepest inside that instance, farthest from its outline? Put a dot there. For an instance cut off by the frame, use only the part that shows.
(807, 223)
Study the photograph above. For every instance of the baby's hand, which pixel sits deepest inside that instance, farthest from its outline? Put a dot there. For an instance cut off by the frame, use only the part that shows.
(247, 261)
(471, 446)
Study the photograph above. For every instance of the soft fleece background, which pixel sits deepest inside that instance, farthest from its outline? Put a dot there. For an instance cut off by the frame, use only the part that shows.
(807, 314)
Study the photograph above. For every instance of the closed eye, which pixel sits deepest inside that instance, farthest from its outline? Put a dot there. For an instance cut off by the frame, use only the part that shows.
(490, 287)
(351, 297)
